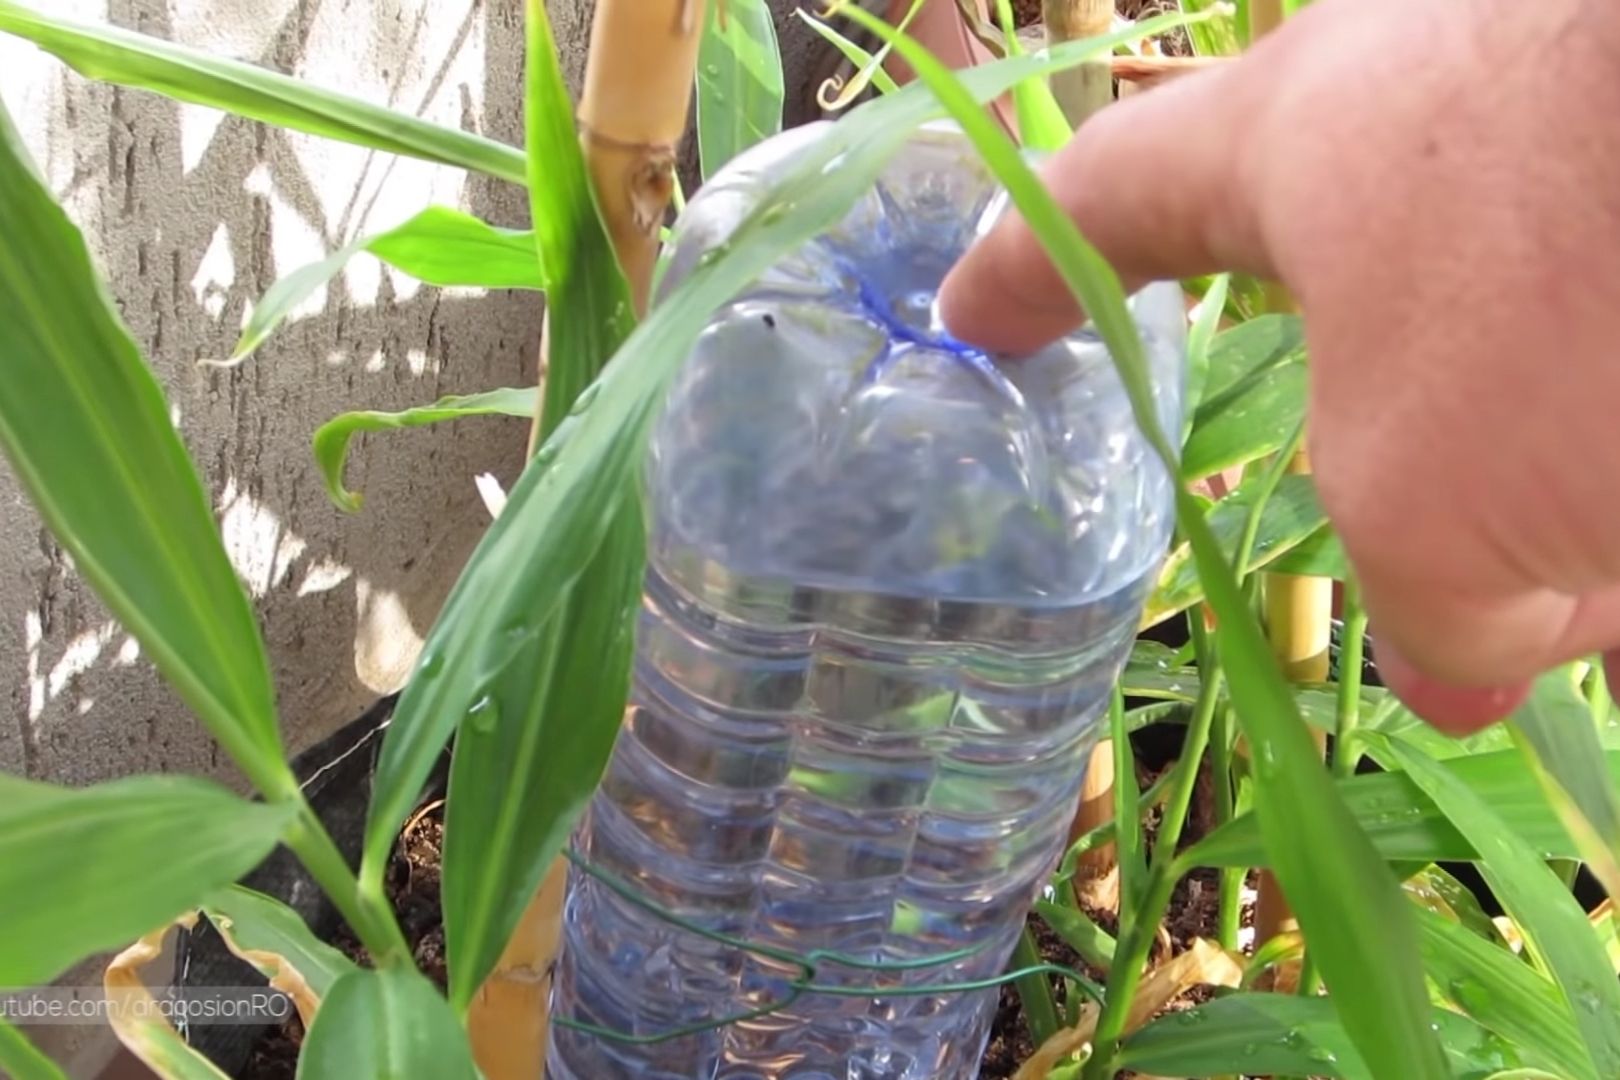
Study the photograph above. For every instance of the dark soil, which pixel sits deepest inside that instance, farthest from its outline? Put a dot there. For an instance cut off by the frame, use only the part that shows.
(413, 886)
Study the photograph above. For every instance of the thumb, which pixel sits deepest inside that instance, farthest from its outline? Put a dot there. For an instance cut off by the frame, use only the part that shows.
(1157, 183)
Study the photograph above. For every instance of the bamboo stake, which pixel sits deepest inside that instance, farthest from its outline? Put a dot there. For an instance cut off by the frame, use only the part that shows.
(1087, 89)
(1083, 90)
(632, 116)
(1299, 610)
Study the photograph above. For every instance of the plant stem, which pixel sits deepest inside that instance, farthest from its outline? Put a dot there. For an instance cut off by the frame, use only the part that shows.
(1126, 974)
(1034, 992)
(1347, 716)
(368, 914)
(1232, 878)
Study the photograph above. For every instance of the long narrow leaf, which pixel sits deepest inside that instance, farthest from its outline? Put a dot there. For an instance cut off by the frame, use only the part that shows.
(852, 52)
(1292, 513)
(1406, 825)
(21, 1060)
(1283, 1035)
(1541, 905)
(440, 246)
(1504, 994)
(95, 848)
(332, 439)
(121, 56)
(526, 762)
(558, 512)
(1253, 398)
(88, 433)
(386, 1025)
(1338, 886)
(270, 935)
(739, 81)
(532, 746)
(588, 297)
(1566, 755)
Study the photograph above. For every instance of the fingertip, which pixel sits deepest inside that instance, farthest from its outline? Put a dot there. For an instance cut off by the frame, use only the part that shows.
(980, 302)
(1455, 710)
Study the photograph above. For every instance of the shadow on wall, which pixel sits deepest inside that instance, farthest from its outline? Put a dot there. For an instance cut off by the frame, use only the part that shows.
(192, 216)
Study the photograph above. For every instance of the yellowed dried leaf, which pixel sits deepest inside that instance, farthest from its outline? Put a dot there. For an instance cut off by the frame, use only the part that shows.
(140, 1023)
(1205, 964)
(278, 969)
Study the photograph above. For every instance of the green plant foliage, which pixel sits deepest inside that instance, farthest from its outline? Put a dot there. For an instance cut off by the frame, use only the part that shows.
(1565, 751)
(1253, 397)
(1200, 340)
(739, 81)
(856, 55)
(1503, 994)
(96, 847)
(1221, 36)
(332, 439)
(1334, 879)
(560, 510)
(1291, 514)
(261, 925)
(86, 428)
(1041, 123)
(1553, 924)
(1285, 1035)
(21, 1060)
(387, 1024)
(120, 56)
(1406, 825)
(440, 246)
(528, 755)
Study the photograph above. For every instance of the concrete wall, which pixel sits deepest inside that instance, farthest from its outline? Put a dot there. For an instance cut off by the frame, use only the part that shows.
(192, 215)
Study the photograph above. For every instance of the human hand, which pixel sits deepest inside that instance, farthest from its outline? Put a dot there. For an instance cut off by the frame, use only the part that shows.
(1439, 185)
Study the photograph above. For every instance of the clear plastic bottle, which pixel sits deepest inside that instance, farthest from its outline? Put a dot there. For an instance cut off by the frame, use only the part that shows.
(891, 582)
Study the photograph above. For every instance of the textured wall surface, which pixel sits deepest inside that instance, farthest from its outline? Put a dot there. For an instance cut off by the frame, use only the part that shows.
(192, 215)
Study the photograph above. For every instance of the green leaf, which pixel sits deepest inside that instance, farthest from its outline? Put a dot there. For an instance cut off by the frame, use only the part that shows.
(1503, 994)
(385, 1025)
(333, 437)
(1094, 944)
(556, 517)
(1404, 822)
(533, 744)
(1437, 890)
(89, 435)
(1219, 36)
(1253, 398)
(1565, 753)
(739, 81)
(1341, 891)
(1200, 340)
(1282, 1035)
(1291, 514)
(1552, 923)
(588, 300)
(1041, 123)
(95, 848)
(21, 1060)
(856, 55)
(528, 758)
(440, 246)
(109, 54)
(272, 937)
(1319, 555)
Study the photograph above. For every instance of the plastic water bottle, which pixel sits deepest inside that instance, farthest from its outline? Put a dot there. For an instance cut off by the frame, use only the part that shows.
(891, 582)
